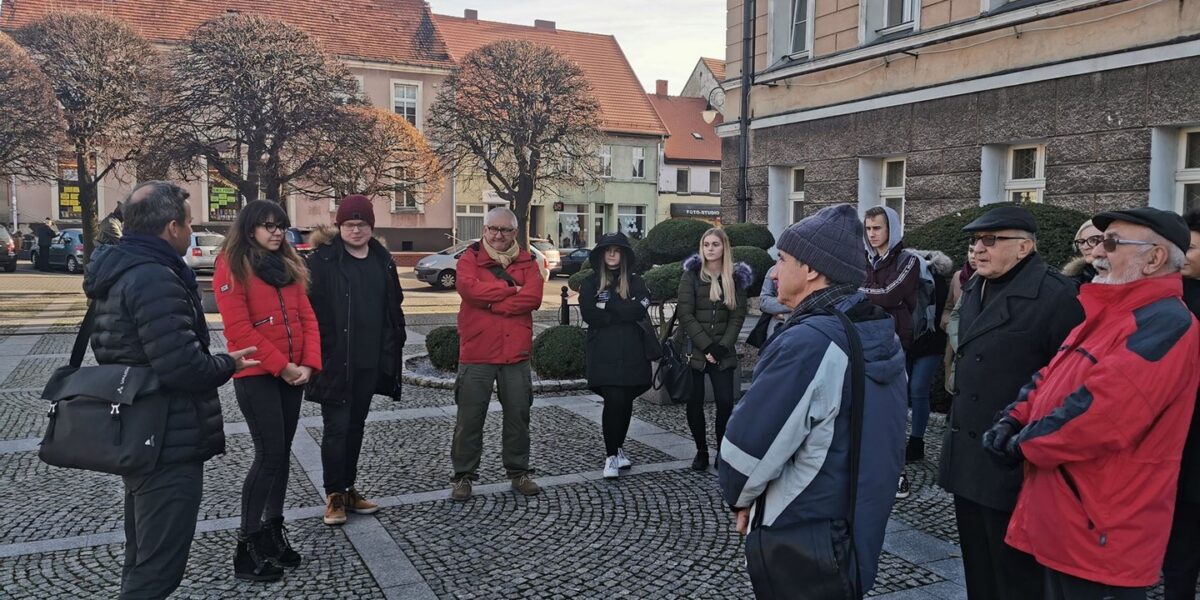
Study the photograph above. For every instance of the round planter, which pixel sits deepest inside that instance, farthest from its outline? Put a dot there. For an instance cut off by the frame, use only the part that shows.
(419, 371)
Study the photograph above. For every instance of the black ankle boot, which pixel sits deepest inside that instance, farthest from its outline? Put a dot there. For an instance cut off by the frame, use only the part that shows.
(250, 564)
(275, 544)
(700, 463)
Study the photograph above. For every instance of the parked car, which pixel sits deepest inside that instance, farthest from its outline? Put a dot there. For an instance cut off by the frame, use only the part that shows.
(298, 238)
(8, 250)
(572, 262)
(202, 254)
(440, 270)
(28, 243)
(66, 251)
(546, 247)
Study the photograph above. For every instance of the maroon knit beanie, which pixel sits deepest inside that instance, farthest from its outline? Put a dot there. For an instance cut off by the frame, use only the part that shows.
(356, 207)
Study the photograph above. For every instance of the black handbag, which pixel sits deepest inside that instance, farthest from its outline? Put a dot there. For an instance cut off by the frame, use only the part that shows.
(673, 372)
(106, 418)
(758, 336)
(819, 555)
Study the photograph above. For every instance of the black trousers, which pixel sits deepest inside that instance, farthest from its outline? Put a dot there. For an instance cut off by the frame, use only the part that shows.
(618, 411)
(722, 384)
(1060, 586)
(994, 570)
(272, 409)
(341, 440)
(160, 521)
(1181, 567)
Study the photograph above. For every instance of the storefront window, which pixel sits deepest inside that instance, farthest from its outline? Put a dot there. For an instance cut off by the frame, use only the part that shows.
(572, 226)
(632, 220)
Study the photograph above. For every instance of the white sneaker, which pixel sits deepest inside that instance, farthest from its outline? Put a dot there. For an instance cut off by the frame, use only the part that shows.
(622, 460)
(902, 488)
(611, 470)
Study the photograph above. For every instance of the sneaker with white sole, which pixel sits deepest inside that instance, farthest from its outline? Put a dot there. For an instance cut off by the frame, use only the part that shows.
(902, 488)
(622, 460)
(611, 467)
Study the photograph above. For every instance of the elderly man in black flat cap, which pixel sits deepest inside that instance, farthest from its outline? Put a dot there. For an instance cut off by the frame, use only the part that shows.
(1013, 315)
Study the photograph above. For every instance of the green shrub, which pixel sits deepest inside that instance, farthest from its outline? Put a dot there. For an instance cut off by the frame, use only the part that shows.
(750, 234)
(1056, 231)
(759, 261)
(576, 280)
(442, 345)
(558, 352)
(673, 240)
(643, 256)
(663, 281)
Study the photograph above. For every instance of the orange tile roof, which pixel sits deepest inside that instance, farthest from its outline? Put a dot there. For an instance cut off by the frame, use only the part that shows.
(683, 117)
(623, 104)
(717, 66)
(388, 31)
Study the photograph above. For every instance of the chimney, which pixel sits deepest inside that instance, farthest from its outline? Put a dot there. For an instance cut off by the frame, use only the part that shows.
(660, 87)
(540, 24)
(471, 14)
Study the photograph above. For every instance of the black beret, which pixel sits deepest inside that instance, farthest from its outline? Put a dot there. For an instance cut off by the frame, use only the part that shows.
(1004, 217)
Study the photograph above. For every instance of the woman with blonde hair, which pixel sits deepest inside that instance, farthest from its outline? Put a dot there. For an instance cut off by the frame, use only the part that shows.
(712, 308)
(261, 287)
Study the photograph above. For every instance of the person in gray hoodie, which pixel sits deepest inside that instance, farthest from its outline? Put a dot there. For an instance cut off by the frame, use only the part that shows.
(787, 465)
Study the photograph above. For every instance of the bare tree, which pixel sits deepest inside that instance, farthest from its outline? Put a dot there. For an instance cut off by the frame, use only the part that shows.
(31, 124)
(108, 81)
(523, 117)
(371, 152)
(250, 93)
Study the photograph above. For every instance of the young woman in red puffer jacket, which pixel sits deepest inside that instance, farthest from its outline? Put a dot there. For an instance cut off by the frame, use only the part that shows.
(261, 286)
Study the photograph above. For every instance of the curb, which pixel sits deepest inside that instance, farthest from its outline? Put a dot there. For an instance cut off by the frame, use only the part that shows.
(447, 383)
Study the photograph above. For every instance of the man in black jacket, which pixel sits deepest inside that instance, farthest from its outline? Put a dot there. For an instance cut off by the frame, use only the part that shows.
(148, 313)
(355, 293)
(1012, 319)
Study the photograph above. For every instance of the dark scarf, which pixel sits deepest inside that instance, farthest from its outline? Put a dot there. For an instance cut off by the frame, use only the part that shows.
(161, 252)
(964, 274)
(824, 298)
(269, 267)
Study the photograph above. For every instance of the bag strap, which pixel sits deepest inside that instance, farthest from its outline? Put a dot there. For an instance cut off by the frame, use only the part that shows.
(85, 335)
(857, 393)
(502, 275)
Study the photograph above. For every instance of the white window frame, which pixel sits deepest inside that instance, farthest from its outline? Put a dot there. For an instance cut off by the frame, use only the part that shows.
(809, 17)
(893, 196)
(639, 162)
(714, 190)
(1037, 185)
(687, 178)
(1183, 175)
(417, 112)
(908, 10)
(873, 19)
(400, 205)
(623, 213)
(606, 160)
(795, 195)
(779, 33)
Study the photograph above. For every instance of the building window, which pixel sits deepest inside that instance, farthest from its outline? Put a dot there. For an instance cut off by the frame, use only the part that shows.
(791, 25)
(632, 220)
(639, 162)
(897, 13)
(1187, 177)
(468, 221)
(403, 198)
(714, 182)
(599, 220)
(796, 197)
(799, 30)
(891, 193)
(405, 101)
(606, 160)
(682, 185)
(572, 226)
(1026, 181)
(878, 18)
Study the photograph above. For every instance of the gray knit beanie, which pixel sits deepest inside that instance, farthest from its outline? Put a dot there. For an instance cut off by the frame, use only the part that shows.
(830, 242)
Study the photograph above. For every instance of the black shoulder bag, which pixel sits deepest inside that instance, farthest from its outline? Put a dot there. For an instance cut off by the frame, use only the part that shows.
(804, 560)
(674, 372)
(106, 418)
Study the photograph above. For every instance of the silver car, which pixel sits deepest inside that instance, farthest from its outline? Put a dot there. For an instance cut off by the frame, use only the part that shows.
(202, 254)
(440, 270)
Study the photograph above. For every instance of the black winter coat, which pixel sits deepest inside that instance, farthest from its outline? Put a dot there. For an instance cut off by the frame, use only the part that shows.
(332, 302)
(615, 351)
(146, 317)
(1000, 347)
(1189, 470)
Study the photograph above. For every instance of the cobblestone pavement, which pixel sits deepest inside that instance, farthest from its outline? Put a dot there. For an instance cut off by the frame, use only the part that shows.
(659, 531)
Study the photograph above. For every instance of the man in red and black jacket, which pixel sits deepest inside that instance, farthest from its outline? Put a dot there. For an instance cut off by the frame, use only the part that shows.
(501, 285)
(1102, 427)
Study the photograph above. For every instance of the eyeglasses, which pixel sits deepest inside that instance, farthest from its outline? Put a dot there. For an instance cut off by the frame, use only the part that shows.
(990, 240)
(1110, 243)
(1089, 242)
(356, 227)
(501, 230)
(272, 226)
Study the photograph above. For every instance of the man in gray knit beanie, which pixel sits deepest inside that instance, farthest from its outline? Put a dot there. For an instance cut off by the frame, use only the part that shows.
(828, 243)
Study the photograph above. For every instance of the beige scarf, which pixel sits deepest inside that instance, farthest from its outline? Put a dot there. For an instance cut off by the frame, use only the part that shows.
(504, 258)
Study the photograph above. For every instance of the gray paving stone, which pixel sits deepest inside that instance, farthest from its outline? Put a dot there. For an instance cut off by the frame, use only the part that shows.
(22, 415)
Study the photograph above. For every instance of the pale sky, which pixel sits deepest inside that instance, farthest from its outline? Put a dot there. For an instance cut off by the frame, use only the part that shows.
(662, 39)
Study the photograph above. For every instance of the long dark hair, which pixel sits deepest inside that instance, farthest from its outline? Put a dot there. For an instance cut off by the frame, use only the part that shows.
(240, 248)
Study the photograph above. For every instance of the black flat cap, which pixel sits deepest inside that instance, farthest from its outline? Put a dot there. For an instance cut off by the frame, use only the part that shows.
(1163, 222)
(1004, 217)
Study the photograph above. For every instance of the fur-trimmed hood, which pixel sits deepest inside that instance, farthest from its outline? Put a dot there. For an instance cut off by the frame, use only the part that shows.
(743, 274)
(324, 234)
(1079, 269)
(939, 263)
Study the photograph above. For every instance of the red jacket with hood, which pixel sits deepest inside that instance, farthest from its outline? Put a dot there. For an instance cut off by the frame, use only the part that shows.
(1105, 424)
(495, 320)
(278, 321)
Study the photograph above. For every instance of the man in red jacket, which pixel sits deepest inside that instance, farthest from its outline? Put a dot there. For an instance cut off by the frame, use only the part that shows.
(501, 285)
(1102, 427)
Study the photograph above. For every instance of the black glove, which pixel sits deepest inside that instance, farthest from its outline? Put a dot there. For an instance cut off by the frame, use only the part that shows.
(717, 351)
(1001, 441)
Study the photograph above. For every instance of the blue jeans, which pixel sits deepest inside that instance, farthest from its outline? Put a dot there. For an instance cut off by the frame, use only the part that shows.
(920, 381)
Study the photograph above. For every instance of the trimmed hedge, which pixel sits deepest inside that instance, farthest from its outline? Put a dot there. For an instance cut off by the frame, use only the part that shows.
(750, 234)
(442, 345)
(576, 280)
(673, 240)
(759, 261)
(663, 281)
(1056, 232)
(558, 352)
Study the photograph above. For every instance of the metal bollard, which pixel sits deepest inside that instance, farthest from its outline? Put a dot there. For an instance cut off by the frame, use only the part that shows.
(564, 313)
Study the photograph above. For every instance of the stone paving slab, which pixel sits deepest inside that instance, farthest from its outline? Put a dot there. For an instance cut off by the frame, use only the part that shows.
(22, 415)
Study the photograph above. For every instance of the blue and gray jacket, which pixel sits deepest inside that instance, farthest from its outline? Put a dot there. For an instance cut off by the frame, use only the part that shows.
(788, 440)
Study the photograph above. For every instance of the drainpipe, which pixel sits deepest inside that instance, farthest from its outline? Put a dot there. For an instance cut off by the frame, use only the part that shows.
(12, 190)
(743, 191)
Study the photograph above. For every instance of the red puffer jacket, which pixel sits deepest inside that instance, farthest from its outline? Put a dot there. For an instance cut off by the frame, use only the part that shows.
(495, 320)
(1105, 424)
(277, 321)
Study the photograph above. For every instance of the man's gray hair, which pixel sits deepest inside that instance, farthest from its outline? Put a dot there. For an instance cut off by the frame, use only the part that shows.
(162, 203)
(1176, 257)
(501, 211)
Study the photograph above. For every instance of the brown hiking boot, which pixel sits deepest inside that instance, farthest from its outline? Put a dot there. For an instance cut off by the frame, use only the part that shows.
(335, 509)
(460, 491)
(525, 485)
(355, 503)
